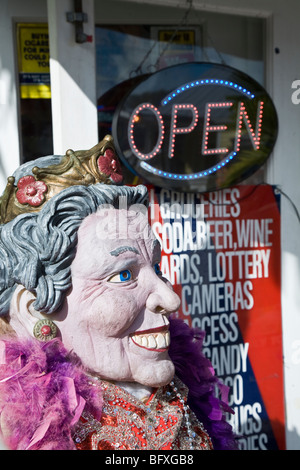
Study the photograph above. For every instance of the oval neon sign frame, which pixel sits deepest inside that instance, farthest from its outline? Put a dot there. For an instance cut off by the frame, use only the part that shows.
(195, 127)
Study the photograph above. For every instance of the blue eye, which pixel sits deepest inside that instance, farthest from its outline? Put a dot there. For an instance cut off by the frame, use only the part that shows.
(125, 275)
(122, 276)
(157, 268)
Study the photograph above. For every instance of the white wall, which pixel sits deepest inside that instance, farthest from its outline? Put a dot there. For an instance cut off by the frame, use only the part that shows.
(73, 79)
(12, 11)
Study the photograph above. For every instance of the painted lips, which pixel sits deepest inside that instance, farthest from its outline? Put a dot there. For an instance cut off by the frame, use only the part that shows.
(155, 340)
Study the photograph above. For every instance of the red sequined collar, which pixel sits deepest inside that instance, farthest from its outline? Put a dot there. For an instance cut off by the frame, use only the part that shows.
(164, 422)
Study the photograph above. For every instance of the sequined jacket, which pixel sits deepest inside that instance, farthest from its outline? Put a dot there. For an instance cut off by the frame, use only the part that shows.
(163, 422)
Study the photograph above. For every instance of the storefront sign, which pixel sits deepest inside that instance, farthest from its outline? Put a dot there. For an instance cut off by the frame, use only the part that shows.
(221, 252)
(195, 127)
(33, 58)
(176, 45)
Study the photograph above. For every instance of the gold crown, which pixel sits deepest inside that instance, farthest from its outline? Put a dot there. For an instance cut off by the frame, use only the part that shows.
(83, 167)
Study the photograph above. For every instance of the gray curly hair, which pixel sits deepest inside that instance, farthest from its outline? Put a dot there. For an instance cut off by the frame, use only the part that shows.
(37, 249)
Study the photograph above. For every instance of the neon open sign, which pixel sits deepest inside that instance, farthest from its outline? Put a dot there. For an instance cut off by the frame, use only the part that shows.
(195, 127)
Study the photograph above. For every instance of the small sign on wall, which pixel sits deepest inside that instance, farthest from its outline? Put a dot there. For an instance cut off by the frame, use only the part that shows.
(33, 60)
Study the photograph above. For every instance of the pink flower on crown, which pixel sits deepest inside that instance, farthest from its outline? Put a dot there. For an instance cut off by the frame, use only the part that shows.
(110, 166)
(30, 191)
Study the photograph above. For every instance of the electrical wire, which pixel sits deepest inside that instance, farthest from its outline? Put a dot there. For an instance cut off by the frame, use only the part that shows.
(246, 196)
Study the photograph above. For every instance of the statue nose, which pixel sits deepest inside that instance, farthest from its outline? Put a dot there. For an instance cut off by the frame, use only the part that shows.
(163, 300)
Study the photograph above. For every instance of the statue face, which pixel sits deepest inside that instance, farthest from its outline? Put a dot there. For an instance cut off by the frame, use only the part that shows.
(116, 316)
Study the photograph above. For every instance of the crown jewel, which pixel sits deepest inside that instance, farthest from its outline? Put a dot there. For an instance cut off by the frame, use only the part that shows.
(83, 167)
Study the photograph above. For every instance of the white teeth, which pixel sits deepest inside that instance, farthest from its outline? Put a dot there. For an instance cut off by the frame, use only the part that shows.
(160, 341)
(153, 341)
(138, 339)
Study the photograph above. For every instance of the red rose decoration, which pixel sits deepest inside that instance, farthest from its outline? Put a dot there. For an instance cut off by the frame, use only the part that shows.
(30, 191)
(110, 166)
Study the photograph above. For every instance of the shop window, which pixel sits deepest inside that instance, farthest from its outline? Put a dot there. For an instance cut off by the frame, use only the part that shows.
(34, 91)
(126, 53)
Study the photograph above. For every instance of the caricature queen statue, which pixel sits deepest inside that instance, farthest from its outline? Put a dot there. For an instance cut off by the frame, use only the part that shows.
(90, 355)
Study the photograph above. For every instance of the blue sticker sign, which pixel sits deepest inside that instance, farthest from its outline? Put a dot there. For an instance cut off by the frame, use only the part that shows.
(195, 127)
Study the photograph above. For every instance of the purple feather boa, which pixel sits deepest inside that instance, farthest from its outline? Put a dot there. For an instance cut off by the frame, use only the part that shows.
(43, 390)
